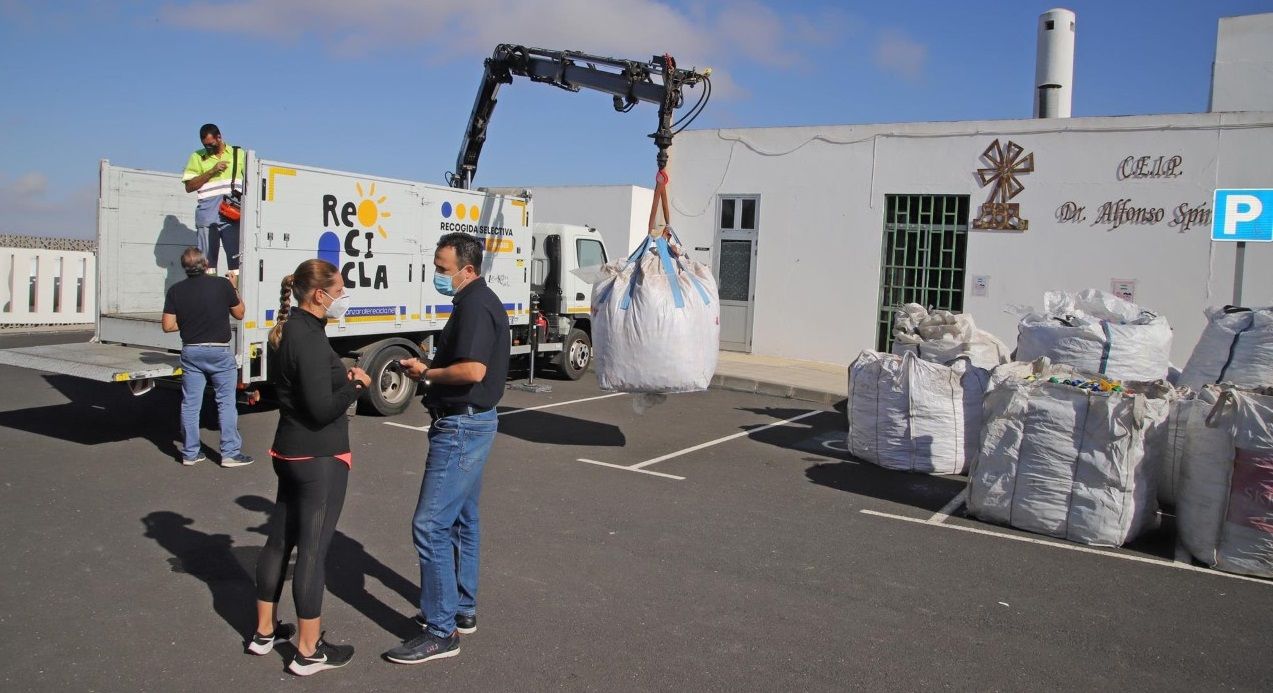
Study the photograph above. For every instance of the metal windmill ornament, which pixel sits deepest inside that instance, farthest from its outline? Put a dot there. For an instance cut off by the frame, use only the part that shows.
(1005, 165)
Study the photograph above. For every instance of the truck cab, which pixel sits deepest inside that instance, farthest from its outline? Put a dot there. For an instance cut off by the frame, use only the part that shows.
(564, 299)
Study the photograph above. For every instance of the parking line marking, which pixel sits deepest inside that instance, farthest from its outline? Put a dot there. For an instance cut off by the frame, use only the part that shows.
(1072, 547)
(515, 411)
(632, 469)
(718, 441)
(944, 514)
(562, 404)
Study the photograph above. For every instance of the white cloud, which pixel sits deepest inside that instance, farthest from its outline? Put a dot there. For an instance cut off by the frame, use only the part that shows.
(31, 208)
(719, 35)
(900, 54)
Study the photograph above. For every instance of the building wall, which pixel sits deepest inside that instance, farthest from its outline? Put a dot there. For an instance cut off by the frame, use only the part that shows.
(1240, 75)
(821, 222)
(620, 213)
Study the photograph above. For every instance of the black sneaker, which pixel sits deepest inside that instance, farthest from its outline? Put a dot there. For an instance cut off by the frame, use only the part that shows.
(237, 461)
(326, 656)
(264, 644)
(424, 647)
(467, 625)
(197, 459)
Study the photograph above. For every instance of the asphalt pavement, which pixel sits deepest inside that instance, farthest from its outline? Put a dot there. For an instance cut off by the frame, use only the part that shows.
(720, 541)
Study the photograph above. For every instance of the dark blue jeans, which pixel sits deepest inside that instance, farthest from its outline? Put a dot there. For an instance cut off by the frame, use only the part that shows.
(210, 238)
(446, 529)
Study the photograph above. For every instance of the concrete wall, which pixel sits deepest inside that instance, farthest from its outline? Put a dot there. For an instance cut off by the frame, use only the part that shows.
(822, 208)
(620, 213)
(1240, 79)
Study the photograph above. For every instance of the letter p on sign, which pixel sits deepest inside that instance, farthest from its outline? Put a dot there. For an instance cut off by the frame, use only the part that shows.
(1243, 215)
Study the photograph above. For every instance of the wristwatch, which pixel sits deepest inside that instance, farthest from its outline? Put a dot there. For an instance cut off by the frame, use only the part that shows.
(424, 379)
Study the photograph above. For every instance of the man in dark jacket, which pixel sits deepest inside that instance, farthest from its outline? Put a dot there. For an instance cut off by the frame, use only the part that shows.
(462, 387)
(200, 307)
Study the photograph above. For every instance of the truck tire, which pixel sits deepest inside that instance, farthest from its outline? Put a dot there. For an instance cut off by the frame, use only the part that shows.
(576, 355)
(390, 391)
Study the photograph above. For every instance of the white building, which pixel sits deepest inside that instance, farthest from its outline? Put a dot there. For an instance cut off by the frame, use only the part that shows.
(815, 232)
(620, 213)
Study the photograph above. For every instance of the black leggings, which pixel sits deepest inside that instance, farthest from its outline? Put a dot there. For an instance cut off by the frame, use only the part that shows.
(310, 496)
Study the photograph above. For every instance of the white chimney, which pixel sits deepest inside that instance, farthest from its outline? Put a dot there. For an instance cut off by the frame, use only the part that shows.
(1054, 65)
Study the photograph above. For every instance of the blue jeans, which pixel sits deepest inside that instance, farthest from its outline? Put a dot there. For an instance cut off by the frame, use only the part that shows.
(445, 528)
(199, 365)
(210, 238)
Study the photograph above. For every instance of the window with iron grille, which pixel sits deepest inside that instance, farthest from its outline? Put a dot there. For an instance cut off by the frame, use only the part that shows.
(925, 253)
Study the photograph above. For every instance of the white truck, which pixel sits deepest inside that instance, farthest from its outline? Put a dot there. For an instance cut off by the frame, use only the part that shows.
(380, 232)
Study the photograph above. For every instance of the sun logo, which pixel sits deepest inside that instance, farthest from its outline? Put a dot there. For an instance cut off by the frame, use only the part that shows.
(369, 212)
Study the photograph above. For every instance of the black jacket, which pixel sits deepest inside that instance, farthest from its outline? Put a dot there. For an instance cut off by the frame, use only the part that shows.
(314, 391)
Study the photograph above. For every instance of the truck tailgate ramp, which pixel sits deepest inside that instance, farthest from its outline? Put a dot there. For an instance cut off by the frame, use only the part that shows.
(108, 363)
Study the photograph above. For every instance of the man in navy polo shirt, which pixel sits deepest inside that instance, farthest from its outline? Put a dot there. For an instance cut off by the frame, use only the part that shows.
(462, 387)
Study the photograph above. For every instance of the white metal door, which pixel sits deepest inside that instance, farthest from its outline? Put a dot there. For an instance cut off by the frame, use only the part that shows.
(736, 244)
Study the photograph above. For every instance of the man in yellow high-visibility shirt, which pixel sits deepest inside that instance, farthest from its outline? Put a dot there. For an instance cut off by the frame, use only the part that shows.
(208, 173)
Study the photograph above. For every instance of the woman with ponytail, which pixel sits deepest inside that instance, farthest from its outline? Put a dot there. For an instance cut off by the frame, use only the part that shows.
(312, 458)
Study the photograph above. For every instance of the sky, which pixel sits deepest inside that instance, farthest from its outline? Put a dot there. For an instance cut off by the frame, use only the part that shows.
(385, 87)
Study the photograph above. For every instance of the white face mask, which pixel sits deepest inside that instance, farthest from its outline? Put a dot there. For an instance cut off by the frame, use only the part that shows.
(338, 306)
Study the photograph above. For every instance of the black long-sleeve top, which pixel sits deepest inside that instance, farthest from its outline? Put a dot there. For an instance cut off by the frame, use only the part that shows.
(314, 391)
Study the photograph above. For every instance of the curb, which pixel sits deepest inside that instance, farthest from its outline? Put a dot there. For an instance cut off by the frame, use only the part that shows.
(760, 387)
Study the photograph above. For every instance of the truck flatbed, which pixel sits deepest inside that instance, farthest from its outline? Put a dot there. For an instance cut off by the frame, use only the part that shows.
(108, 363)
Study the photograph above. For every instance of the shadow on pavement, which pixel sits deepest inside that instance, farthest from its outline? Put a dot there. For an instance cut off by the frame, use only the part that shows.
(823, 435)
(554, 429)
(100, 413)
(210, 558)
(917, 490)
(348, 567)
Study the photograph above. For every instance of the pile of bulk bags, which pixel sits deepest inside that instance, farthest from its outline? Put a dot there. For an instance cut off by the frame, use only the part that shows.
(1063, 459)
(912, 415)
(1224, 506)
(1236, 347)
(656, 323)
(1097, 332)
(941, 336)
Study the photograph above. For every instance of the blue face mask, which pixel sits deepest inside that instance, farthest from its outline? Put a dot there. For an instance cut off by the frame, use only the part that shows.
(442, 283)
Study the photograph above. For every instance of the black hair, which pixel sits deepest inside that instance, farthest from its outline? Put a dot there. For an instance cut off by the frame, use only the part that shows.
(468, 250)
(209, 129)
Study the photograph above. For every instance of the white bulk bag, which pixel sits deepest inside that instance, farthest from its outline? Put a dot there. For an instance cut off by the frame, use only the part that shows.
(1236, 347)
(656, 323)
(1067, 462)
(913, 415)
(1097, 332)
(1187, 432)
(1224, 507)
(942, 336)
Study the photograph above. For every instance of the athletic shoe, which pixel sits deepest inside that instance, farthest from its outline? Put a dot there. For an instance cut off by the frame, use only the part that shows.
(264, 644)
(326, 656)
(190, 463)
(424, 647)
(237, 461)
(467, 625)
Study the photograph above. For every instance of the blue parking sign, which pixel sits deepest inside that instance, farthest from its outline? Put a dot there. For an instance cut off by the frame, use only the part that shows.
(1243, 215)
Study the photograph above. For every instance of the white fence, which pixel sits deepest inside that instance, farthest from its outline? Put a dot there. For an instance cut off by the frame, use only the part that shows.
(47, 287)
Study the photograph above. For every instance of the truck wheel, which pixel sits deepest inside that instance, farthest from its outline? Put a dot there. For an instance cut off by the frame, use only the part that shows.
(390, 392)
(576, 355)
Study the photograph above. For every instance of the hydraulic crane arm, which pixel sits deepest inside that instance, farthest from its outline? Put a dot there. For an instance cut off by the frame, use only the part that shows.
(657, 81)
